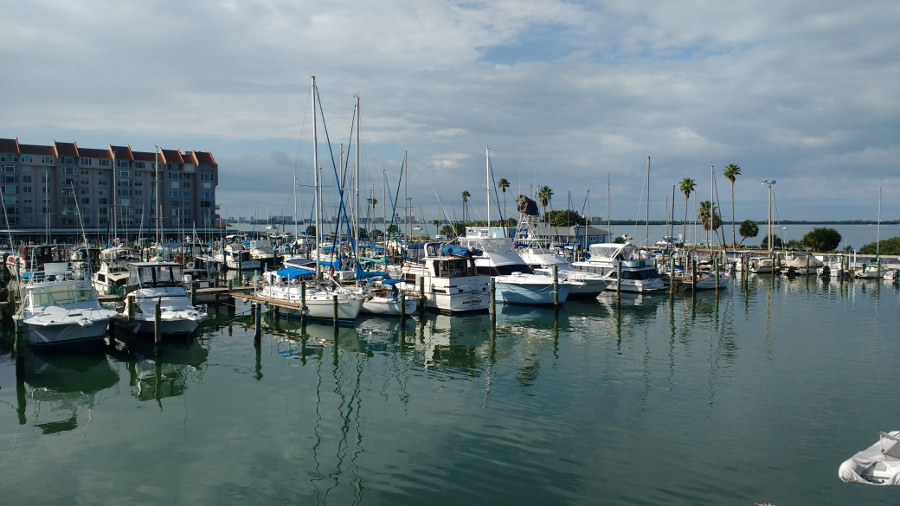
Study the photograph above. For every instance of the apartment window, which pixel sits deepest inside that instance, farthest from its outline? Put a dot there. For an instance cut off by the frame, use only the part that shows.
(124, 192)
(85, 172)
(175, 185)
(101, 181)
(124, 182)
(125, 202)
(26, 179)
(138, 165)
(138, 202)
(8, 157)
(206, 177)
(85, 200)
(124, 173)
(205, 203)
(10, 178)
(174, 175)
(102, 201)
(26, 199)
(174, 194)
(102, 211)
(26, 189)
(104, 162)
(70, 171)
(69, 159)
(124, 163)
(85, 180)
(10, 168)
(87, 161)
(67, 181)
(207, 186)
(11, 211)
(46, 159)
(68, 201)
(101, 191)
(10, 189)
(27, 210)
(27, 158)
(138, 191)
(139, 182)
(10, 199)
(207, 195)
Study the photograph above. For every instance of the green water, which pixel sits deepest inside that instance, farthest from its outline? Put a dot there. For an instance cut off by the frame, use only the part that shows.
(756, 395)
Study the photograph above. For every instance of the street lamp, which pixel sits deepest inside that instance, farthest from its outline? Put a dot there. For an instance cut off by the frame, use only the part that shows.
(769, 210)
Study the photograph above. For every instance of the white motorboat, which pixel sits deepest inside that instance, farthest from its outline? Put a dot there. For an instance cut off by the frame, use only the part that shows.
(447, 276)
(60, 311)
(383, 298)
(236, 256)
(878, 464)
(514, 280)
(158, 283)
(705, 280)
(112, 274)
(542, 261)
(315, 302)
(638, 274)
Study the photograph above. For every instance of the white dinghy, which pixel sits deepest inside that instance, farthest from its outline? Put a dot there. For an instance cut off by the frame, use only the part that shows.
(878, 464)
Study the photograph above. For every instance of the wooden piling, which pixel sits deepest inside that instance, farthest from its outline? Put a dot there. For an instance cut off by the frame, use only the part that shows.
(402, 306)
(303, 301)
(157, 330)
(493, 306)
(716, 269)
(258, 333)
(672, 277)
(334, 304)
(193, 292)
(555, 285)
(618, 283)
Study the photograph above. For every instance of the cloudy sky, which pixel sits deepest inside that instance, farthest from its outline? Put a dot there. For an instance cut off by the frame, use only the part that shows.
(567, 94)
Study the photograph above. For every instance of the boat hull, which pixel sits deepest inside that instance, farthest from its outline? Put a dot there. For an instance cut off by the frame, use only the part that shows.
(70, 336)
(174, 326)
(512, 291)
(387, 306)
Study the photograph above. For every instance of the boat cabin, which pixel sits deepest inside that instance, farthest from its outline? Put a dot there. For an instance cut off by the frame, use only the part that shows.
(154, 275)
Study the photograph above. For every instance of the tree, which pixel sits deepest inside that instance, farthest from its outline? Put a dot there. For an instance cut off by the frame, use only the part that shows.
(503, 184)
(732, 171)
(565, 218)
(544, 195)
(465, 197)
(436, 224)
(372, 202)
(776, 242)
(709, 218)
(885, 247)
(821, 239)
(687, 187)
(749, 228)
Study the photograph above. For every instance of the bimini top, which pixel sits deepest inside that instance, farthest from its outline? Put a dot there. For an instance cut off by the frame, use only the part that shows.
(292, 273)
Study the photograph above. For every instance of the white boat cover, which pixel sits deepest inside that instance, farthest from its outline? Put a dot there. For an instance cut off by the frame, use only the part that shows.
(878, 464)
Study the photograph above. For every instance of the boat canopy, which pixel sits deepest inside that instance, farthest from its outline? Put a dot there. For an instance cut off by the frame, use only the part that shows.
(460, 251)
(295, 272)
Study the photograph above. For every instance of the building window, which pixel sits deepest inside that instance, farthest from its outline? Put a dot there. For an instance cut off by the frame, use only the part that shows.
(124, 192)
(26, 189)
(124, 182)
(138, 165)
(46, 159)
(10, 178)
(70, 171)
(104, 162)
(174, 194)
(10, 199)
(174, 175)
(10, 168)
(66, 181)
(27, 158)
(87, 161)
(124, 163)
(206, 177)
(26, 179)
(175, 185)
(69, 159)
(124, 173)
(85, 180)
(101, 181)
(7, 157)
(85, 200)
(207, 195)
(102, 202)
(101, 191)
(10, 189)
(207, 186)
(138, 191)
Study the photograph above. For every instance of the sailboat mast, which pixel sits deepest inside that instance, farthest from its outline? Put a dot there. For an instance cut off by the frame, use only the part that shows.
(647, 226)
(318, 189)
(296, 232)
(487, 163)
(356, 187)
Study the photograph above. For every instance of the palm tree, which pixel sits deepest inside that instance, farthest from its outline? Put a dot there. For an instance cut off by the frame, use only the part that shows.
(709, 218)
(465, 196)
(436, 224)
(687, 187)
(732, 171)
(544, 195)
(503, 184)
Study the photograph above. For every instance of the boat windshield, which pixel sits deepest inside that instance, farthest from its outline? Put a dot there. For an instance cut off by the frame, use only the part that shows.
(62, 295)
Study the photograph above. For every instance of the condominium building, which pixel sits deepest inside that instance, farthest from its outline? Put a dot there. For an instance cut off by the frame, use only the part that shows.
(48, 186)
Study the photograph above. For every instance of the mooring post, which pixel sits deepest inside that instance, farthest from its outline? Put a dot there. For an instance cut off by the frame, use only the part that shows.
(555, 285)
(231, 285)
(157, 331)
(258, 333)
(334, 304)
(422, 293)
(303, 301)
(716, 268)
(402, 306)
(193, 292)
(672, 277)
(618, 283)
(493, 304)
(693, 277)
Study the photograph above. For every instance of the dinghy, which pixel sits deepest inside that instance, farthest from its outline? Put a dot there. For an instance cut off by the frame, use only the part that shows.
(878, 464)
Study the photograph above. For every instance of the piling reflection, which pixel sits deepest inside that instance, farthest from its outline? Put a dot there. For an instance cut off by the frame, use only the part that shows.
(53, 388)
(168, 374)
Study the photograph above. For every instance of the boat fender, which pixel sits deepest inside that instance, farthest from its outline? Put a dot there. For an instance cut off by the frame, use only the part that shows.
(190, 265)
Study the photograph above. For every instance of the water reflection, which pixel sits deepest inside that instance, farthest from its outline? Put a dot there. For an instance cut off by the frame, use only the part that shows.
(57, 386)
(168, 374)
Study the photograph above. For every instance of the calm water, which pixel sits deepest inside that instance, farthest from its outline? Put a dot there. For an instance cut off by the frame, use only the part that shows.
(757, 395)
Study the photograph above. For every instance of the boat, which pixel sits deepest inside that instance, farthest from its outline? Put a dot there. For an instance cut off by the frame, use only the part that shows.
(639, 275)
(236, 256)
(28, 259)
(315, 302)
(158, 283)
(59, 311)
(112, 274)
(515, 281)
(542, 261)
(445, 278)
(878, 464)
(383, 298)
(705, 280)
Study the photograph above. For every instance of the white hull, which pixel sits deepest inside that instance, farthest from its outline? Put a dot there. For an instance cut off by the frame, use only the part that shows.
(388, 306)
(529, 289)
(74, 334)
(319, 302)
(174, 324)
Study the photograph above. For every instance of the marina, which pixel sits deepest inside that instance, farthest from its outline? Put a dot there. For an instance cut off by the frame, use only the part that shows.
(749, 395)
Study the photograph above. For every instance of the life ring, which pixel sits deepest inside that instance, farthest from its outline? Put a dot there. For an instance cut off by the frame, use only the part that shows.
(190, 265)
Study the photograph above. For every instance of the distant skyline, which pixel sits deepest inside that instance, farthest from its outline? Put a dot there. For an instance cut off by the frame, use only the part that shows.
(567, 94)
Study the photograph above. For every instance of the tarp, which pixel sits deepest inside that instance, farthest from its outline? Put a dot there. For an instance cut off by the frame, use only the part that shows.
(884, 455)
(527, 206)
(295, 272)
(459, 251)
(361, 274)
(390, 282)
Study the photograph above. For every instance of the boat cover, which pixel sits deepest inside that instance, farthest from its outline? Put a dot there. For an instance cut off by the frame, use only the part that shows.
(295, 272)
(878, 464)
(527, 206)
(459, 251)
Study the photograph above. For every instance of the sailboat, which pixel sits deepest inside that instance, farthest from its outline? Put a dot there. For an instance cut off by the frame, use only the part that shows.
(318, 300)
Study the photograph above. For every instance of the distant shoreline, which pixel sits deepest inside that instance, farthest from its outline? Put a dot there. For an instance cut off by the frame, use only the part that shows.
(780, 222)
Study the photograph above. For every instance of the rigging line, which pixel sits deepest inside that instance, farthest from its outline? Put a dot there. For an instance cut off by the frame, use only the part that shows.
(496, 195)
(637, 215)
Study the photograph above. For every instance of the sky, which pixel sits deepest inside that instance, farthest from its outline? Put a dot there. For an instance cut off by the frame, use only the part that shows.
(573, 95)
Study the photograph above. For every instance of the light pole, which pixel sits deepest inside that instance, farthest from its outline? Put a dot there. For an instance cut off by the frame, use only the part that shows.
(769, 211)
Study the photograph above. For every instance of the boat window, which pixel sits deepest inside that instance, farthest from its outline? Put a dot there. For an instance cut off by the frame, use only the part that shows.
(504, 270)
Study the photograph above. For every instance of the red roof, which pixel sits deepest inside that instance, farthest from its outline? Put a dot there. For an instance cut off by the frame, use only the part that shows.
(205, 158)
(121, 152)
(36, 149)
(9, 145)
(94, 153)
(144, 156)
(66, 148)
(172, 156)
(189, 157)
